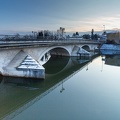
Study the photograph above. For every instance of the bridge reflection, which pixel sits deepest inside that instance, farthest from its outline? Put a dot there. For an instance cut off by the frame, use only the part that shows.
(17, 94)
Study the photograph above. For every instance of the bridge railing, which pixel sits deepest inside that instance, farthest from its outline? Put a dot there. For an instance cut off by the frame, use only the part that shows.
(26, 39)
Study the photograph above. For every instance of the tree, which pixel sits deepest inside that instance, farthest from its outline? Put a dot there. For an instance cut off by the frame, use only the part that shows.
(40, 35)
(77, 34)
(74, 35)
(86, 36)
(92, 34)
(96, 36)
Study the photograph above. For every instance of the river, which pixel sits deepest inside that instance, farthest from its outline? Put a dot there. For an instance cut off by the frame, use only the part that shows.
(74, 89)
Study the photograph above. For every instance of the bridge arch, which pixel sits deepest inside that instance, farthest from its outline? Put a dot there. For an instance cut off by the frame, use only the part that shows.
(86, 47)
(58, 50)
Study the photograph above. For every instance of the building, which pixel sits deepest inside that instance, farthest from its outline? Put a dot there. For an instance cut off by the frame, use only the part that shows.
(114, 37)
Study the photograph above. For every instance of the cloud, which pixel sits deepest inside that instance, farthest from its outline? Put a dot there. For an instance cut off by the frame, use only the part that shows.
(96, 23)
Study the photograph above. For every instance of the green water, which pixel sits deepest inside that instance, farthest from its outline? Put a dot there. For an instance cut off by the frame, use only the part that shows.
(74, 89)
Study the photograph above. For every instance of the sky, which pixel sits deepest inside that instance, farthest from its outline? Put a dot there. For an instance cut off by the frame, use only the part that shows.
(73, 15)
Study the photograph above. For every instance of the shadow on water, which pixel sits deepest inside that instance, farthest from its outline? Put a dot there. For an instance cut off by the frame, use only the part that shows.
(60, 63)
(16, 94)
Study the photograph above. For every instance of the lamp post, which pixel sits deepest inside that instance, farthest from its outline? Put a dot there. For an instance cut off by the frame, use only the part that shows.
(104, 27)
(62, 88)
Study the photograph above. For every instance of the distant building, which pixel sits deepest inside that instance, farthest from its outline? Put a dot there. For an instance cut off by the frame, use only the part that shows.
(114, 36)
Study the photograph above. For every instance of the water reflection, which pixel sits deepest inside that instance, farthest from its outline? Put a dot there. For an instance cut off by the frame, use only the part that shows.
(60, 64)
(88, 95)
(110, 52)
(17, 94)
(62, 89)
(112, 60)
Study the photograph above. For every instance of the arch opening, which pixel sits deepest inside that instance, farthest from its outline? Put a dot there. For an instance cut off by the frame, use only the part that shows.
(59, 52)
(86, 47)
(53, 52)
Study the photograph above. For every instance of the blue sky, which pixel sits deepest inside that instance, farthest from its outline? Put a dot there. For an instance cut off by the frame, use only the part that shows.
(74, 15)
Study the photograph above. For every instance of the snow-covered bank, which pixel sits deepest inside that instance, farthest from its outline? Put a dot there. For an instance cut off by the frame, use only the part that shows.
(110, 47)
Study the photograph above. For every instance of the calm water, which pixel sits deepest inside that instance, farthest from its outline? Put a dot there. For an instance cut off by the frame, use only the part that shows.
(74, 89)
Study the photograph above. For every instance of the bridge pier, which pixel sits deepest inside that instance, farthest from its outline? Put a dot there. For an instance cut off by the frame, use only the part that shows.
(20, 65)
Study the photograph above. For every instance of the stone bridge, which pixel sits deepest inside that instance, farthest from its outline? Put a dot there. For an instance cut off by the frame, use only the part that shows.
(25, 58)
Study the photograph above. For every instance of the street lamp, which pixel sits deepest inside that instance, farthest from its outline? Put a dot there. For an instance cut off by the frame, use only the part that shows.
(62, 88)
(104, 27)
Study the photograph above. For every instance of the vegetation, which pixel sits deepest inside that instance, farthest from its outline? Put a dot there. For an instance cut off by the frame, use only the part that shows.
(75, 34)
(92, 36)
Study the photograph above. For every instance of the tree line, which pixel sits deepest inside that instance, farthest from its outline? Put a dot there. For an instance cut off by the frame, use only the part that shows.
(88, 36)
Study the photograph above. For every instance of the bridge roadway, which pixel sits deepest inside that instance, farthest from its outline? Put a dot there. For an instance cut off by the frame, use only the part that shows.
(44, 43)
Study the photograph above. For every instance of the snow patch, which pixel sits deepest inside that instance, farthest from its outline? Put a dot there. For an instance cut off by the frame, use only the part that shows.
(30, 63)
